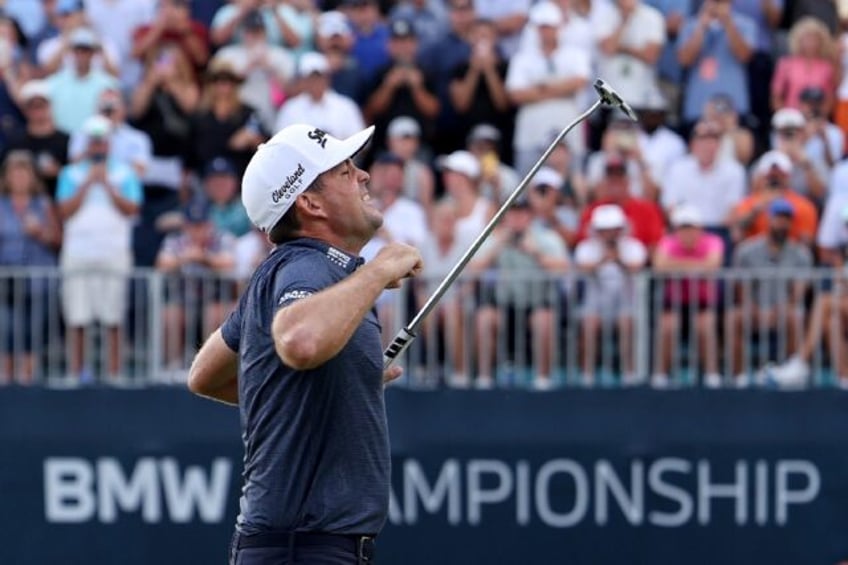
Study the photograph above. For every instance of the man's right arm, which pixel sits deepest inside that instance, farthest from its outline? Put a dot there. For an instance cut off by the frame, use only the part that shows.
(311, 331)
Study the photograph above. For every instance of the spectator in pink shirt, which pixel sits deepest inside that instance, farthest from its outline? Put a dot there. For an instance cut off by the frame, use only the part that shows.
(810, 63)
(685, 256)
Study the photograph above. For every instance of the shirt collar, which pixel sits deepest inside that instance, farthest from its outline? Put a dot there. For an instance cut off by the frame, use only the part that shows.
(334, 255)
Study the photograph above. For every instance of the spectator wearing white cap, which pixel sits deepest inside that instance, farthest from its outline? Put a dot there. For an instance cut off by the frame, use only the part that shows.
(318, 104)
(546, 196)
(608, 259)
(98, 198)
(685, 258)
(575, 30)
(791, 137)
(658, 145)
(403, 138)
(57, 52)
(703, 180)
(334, 40)
(497, 179)
(461, 178)
(126, 143)
(268, 69)
(546, 87)
(630, 54)
(771, 180)
(40, 136)
(74, 90)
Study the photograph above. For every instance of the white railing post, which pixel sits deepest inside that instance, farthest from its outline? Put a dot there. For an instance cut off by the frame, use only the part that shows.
(642, 325)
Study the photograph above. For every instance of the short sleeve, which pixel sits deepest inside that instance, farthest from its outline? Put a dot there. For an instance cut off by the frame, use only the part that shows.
(65, 185)
(633, 252)
(301, 277)
(131, 188)
(517, 75)
(587, 252)
(231, 328)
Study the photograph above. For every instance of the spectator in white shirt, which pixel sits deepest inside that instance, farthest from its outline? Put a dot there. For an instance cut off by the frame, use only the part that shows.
(126, 143)
(318, 104)
(403, 138)
(629, 56)
(98, 198)
(659, 146)
(608, 260)
(825, 140)
(267, 68)
(545, 84)
(714, 186)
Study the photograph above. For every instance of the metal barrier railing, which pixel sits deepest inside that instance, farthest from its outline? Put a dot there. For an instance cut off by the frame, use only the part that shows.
(725, 328)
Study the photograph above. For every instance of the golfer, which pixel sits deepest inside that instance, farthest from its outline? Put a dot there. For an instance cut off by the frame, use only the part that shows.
(301, 356)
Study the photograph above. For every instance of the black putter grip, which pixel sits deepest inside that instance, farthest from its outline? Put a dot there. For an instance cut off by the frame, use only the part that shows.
(396, 347)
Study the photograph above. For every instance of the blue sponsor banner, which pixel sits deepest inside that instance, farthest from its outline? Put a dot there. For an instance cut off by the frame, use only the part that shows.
(578, 477)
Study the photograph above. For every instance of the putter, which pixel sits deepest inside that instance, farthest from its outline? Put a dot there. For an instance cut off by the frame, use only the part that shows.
(606, 97)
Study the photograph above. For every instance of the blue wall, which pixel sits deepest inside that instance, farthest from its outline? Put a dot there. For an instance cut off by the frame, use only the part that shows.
(594, 477)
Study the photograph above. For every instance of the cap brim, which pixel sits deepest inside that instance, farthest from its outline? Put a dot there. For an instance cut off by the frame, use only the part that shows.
(352, 146)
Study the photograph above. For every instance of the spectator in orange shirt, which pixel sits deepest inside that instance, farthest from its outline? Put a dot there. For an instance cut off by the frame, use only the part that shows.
(644, 217)
(771, 181)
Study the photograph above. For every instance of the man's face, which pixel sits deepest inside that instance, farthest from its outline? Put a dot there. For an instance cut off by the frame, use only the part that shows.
(363, 15)
(616, 182)
(37, 109)
(82, 57)
(455, 181)
(198, 232)
(705, 147)
(404, 146)
(98, 148)
(221, 187)
(543, 199)
(609, 236)
(779, 226)
(345, 199)
(111, 105)
(518, 219)
(462, 15)
(316, 84)
(688, 235)
(403, 49)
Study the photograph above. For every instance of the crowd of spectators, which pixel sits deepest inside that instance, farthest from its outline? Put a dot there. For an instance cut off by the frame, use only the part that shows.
(125, 126)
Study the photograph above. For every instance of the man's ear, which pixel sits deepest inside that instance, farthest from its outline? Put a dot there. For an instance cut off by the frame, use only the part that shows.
(310, 205)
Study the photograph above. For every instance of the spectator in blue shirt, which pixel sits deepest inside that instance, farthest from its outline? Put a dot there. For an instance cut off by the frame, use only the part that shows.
(715, 47)
(370, 47)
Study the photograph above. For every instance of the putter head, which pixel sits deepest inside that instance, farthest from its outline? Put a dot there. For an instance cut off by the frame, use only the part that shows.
(611, 98)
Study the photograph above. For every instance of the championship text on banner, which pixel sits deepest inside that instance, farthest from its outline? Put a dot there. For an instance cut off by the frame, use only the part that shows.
(578, 477)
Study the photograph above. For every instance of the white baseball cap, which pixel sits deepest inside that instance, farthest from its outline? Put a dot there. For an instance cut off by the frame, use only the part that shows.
(774, 158)
(35, 89)
(546, 176)
(97, 126)
(461, 162)
(545, 14)
(287, 164)
(788, 118)
(608, 217)
(313, 62)
(84, 37)
(403, 126)
(333, 23)
(686, 215)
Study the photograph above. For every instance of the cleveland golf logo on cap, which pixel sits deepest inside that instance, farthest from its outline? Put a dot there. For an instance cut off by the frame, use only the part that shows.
(320, 137)
(291, 186)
